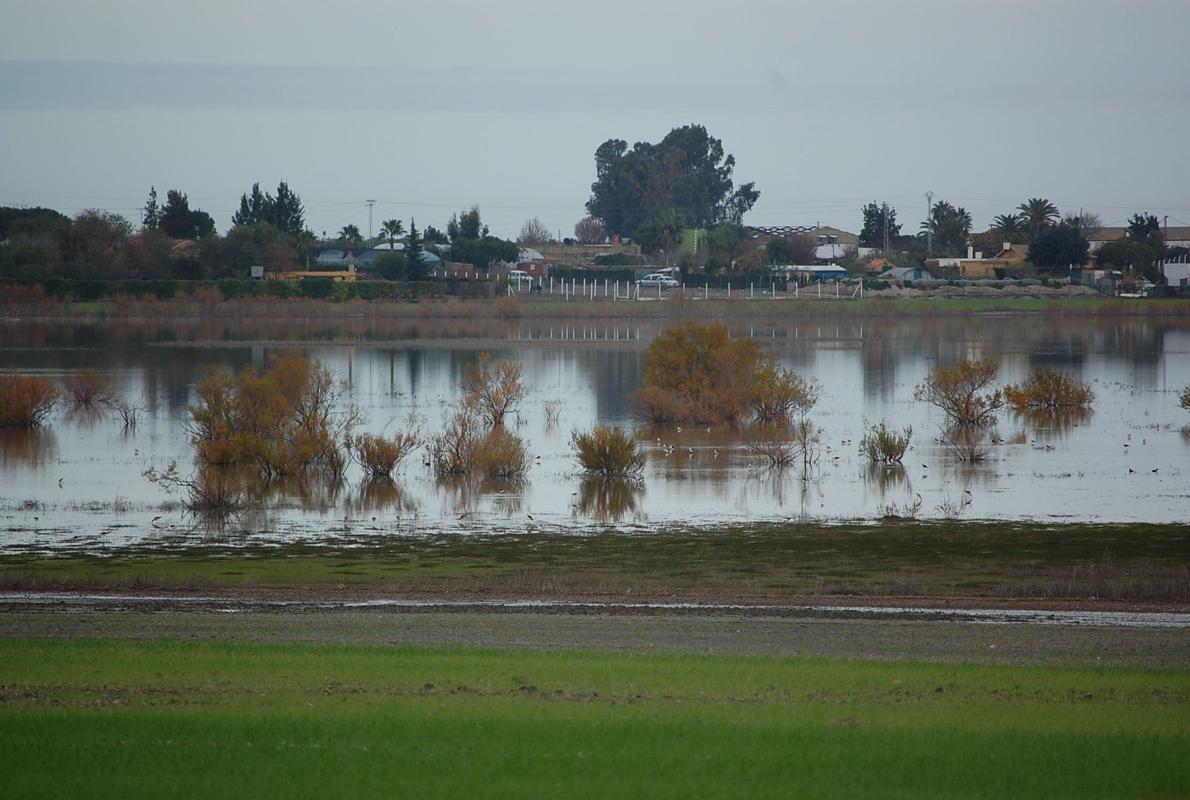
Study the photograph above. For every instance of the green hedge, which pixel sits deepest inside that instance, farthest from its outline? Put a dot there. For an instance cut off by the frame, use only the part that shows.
(233, 288)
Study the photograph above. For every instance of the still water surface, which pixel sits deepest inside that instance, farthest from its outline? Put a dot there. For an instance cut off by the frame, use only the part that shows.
(78, 483)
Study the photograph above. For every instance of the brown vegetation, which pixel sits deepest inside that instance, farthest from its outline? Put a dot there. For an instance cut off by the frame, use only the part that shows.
(884, 445)
(608, 451)
(496, 388)
(291, 417)
(212, 490)
(379, 455)
(960, 391)
(87, 389)
(696, 372)
(1050, 390)
(500, 454)
(1184, 398)
(26, 401)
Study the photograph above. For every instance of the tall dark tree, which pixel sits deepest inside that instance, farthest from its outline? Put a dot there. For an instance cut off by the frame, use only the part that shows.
(180, 221)
(949, 226)
(151, 215)
(1058, 247)
(415, 266)
(1146, 229)
(466, 225)
(283, 211)
(872, 233)
(687, 171)
(432, 235)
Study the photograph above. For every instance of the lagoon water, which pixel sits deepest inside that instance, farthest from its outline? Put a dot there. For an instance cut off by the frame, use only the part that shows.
(78, 483)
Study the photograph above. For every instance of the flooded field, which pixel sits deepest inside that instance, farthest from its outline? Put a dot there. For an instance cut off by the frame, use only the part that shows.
(78, 482)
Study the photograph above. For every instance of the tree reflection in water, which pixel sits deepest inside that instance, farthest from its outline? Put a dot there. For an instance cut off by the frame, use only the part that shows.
(609, 499)
(31, 448)
(382, 495)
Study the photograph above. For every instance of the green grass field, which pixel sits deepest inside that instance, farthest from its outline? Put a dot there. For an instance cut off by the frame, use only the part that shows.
(118, 719)
(1130, 562)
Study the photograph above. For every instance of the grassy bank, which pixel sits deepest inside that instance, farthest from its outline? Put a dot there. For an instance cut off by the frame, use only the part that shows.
(763, 562)
(84, 719)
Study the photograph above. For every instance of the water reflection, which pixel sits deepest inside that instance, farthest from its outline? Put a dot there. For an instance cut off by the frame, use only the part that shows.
(609, 499)
(29, 448)
(887, 477)
(382, 495)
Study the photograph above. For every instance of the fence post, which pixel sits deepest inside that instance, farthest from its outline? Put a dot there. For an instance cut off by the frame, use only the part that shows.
(706, 291)
(729, 290)
(751, 291)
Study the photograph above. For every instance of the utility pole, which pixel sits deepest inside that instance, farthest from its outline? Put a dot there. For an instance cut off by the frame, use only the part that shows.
(929, 224)
(884, 218)
(370, 204)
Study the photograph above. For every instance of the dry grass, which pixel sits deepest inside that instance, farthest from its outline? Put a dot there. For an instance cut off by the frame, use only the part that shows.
(1050, 390)
(608, 451)
(884, 445)
(88, 389)
(26, 401)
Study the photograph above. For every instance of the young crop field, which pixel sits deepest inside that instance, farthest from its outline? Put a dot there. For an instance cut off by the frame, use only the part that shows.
(82, 719)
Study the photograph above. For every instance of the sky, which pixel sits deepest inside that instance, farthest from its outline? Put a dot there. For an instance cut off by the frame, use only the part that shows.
(432, 106)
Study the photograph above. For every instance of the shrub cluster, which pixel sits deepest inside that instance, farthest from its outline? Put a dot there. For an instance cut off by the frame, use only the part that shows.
(380, 455)
(475, 441)
(291, 417)
(1050, 390)
(25, 401)
(961, 392)
(696, 372)
(88, 389)
(884, 445)
(608, 451)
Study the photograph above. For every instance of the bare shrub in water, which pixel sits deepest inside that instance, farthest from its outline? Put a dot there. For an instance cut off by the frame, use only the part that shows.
(608, 451)
(496, 388)
(26, 401)
(88, 388)
(884, 445)
(212, 490)
(778, 394)
(961, 392)
(776, 454)
(553, 411)
(1050, 390)
(1184, 399)
(452, 452)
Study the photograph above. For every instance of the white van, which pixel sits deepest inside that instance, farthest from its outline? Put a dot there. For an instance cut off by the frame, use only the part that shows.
(518, 275)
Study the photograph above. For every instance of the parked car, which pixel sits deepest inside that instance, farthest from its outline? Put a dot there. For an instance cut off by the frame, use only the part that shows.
(658, 279)
(518, 275)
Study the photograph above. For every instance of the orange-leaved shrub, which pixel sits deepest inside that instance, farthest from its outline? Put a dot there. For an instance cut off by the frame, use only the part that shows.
(696, 372)
(25, 401)
(608, 450)
(379, 455)
(962, 392)
(1050, 390)
(293, 416)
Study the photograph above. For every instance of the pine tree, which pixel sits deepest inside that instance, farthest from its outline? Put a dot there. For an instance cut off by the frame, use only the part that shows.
(151, 218)
(416, 269)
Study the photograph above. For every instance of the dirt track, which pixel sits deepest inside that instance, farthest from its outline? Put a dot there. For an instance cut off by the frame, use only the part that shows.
(744, 632)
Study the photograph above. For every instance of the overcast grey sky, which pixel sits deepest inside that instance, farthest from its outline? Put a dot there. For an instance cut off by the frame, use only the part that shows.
(432, 106)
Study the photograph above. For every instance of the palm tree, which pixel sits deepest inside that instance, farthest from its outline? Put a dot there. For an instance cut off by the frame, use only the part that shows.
(949, 226)
(1010, 226)
(1038, 213)
(394, 230)
(350, 235)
